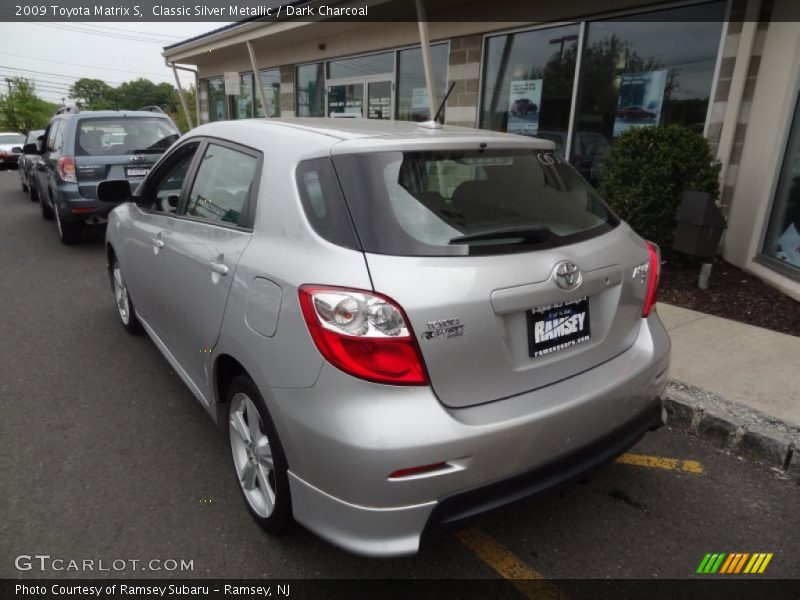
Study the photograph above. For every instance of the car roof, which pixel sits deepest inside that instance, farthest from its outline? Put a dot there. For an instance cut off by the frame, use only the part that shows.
(327, 131)
(11, 133)
(113, 113)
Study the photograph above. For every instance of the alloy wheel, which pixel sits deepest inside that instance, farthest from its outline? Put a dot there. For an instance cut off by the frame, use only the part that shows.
(252, 455)
(121, 294)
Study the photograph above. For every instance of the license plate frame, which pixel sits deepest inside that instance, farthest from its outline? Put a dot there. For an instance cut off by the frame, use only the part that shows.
(137, 172)
(556, 327)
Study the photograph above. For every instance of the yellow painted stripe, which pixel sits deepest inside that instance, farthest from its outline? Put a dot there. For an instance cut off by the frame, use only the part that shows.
(658, 462)
(530, 582)
(751, 562)
(765, 563)
(726, 564)
(740, 564)
(759, 558)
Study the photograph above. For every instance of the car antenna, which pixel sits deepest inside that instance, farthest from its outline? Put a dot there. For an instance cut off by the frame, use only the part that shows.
(434, 122)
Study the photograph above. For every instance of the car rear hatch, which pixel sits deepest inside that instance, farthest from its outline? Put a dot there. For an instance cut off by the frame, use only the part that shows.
(490, 316)
(124, 147)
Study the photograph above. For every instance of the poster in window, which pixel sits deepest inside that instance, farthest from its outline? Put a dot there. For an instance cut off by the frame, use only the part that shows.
(420, 110)
(641, 96)
(524, 102)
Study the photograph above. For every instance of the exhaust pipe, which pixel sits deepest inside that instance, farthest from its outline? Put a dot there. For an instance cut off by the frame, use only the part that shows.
(96, 220)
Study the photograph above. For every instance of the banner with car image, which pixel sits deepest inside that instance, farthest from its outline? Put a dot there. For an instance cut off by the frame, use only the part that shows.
(524, 101)
(641, 96)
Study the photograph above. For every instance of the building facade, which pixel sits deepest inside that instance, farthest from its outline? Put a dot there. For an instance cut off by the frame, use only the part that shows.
(729, 69)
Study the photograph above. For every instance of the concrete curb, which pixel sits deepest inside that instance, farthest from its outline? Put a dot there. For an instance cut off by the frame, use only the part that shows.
(740, 429)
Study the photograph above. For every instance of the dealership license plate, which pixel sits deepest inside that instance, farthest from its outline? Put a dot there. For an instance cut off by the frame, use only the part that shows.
(558, 326)
(136, 172)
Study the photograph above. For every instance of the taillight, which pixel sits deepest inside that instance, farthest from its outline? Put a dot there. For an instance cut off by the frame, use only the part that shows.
(653, 277)
(65, 167)
(364, 334)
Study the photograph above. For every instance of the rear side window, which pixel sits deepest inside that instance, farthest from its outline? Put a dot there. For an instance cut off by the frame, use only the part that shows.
(55, 128)
(323, 202)
(222, 185)
(472, 202)
(116, 136)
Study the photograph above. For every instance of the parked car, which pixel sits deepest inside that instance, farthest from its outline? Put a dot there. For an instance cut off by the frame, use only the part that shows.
(396, 327)
(635, 113)
(27, 163)
(10, 149)
(523, 106)
(77, 152)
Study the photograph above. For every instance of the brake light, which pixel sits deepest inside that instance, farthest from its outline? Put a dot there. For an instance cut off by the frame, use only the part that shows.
(653, 277)
(65, 167)
(364, 334)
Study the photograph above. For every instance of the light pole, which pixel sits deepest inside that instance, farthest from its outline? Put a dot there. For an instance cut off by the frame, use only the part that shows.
(561, 40)
(9, 82)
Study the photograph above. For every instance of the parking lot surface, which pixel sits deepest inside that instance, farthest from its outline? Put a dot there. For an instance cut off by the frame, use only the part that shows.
(106, 455)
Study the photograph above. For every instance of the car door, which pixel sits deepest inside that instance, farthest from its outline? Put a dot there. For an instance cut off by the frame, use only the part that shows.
(45, 166)
(152, 221)
(212, 230)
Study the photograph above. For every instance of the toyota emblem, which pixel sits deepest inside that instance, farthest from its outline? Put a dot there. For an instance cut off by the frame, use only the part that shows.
(567, 275)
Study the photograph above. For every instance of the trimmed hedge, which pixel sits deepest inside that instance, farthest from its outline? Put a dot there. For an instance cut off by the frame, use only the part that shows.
(647, 172)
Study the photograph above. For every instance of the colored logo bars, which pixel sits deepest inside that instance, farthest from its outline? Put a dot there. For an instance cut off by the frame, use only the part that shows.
(734, 563)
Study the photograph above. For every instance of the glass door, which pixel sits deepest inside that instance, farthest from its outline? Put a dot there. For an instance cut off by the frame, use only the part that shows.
(346, 98)
(369, 98)
(379, 100)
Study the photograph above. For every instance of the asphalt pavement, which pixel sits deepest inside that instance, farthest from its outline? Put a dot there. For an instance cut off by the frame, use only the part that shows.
(106, 455)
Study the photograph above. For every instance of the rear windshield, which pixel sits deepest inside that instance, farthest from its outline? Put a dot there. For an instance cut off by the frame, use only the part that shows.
(124, 135)
(466, 203)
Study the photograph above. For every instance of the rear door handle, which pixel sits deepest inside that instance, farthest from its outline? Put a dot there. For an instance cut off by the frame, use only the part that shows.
(218, 268)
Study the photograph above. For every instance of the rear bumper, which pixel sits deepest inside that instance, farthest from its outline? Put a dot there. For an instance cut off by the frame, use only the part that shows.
(73, 207)
(343, 437)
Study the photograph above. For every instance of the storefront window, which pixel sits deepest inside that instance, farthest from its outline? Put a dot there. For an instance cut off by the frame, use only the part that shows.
(271, 81)
(310, 94)
(636, 73)
(412, 90)
(362, 66)
(783, 235)
(243, 103)
(217, 100)
(529, 78)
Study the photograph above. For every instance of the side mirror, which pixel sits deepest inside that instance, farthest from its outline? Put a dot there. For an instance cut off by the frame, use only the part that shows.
(30, 149)
(114, 191)
(40, 145)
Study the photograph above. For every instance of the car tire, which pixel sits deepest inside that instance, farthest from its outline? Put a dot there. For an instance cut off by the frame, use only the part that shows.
(47, 212)
(34, 193)
(69, 233)
(125, 309)
(259, 462)
(24, 185)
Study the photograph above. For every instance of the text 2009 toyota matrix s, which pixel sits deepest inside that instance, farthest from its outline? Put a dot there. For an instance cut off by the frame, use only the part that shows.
(397, 327)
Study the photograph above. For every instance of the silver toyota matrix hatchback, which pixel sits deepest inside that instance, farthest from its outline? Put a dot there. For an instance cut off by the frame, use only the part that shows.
(397, 327)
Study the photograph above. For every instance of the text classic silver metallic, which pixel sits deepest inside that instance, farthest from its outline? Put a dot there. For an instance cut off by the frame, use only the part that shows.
(397, 327)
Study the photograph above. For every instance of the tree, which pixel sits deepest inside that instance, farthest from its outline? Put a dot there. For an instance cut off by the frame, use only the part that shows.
(92, 94)
(177, 115)
(21, 109)
(142, 92)
(648, 170)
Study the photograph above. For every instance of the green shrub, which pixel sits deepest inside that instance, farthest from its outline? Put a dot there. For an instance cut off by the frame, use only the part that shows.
(647, 172)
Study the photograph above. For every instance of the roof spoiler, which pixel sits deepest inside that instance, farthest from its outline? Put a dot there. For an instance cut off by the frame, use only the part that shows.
(155, 109)
(70, 110)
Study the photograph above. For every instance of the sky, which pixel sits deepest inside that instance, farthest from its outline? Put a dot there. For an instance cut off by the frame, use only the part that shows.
(54, 55)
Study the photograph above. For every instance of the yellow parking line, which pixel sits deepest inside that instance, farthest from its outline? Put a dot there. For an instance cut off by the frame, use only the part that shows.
(658, 462)
(528, 581)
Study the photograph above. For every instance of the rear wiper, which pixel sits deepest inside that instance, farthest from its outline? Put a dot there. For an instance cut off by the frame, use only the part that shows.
(529, 234)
